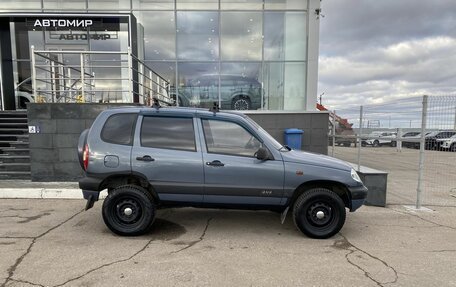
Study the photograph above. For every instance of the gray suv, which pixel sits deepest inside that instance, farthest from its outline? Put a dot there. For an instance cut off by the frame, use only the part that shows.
(236, 92)
(151, 158)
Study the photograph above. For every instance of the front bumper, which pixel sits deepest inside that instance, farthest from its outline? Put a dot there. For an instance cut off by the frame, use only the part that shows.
(358, 196)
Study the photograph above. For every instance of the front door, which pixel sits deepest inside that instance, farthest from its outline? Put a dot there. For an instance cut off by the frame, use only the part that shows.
(168, 154)
(233, 175)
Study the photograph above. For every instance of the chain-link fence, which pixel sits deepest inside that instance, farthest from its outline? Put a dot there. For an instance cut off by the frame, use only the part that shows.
(412, 139)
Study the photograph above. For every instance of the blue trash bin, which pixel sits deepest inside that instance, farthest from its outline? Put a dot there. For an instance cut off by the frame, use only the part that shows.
(293, 138)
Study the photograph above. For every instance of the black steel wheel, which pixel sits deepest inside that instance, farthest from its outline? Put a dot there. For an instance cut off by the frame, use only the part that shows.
(319, 213)
(241, 103)
(129, 210)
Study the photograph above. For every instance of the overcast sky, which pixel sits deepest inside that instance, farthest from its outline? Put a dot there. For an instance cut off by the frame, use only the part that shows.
(374, 51)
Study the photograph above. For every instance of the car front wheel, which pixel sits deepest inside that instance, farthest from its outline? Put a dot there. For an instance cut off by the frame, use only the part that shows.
(129, 210)
(319, 213)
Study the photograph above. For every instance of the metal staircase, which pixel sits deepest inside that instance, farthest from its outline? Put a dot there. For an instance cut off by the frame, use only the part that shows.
(14, 145)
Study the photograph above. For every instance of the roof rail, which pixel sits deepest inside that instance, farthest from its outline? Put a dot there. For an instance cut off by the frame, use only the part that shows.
(215, 108)
(155, 104)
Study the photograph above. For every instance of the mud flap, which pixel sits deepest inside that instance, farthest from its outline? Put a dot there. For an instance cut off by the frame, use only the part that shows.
(283, 216)
(90, 202)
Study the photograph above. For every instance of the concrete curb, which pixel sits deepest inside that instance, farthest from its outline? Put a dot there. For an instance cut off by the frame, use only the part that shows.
(44, 193)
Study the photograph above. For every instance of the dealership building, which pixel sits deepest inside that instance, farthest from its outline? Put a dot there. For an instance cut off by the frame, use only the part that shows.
(264, 52)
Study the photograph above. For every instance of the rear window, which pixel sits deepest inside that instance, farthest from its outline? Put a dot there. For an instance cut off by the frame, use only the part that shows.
(168, 133)
(119, 128)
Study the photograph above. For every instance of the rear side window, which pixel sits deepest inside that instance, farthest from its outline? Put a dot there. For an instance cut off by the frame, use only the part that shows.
(168, 133)
(118, 129)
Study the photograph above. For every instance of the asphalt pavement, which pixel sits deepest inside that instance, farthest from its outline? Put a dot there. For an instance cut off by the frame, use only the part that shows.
(53, 242)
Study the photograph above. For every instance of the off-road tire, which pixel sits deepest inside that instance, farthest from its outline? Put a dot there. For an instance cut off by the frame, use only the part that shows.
(312, 201)
(135, 198)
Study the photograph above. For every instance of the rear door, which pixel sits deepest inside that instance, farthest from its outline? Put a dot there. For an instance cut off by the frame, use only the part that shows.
(167, 152)
(233, 175)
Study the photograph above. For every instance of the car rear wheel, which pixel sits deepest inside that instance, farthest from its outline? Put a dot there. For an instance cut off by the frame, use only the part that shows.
(241, 103)
(319, 213)
(129, 210)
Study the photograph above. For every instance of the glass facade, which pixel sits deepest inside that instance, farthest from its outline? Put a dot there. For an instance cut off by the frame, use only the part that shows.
(243, 54)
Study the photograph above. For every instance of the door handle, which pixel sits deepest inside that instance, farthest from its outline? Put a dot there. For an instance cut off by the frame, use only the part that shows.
(215, 163)
(145, 158)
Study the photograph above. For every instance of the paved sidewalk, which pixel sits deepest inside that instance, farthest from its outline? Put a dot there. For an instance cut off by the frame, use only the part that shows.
(29, 189)
(45, 242)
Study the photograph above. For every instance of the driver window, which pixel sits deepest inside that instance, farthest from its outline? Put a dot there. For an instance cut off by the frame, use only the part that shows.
(229, 138)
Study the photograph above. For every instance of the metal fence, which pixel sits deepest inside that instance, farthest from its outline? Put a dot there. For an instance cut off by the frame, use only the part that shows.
(413, 139)
(95, 76)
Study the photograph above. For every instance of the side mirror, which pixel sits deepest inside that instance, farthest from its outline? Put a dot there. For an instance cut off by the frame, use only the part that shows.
(262, 154)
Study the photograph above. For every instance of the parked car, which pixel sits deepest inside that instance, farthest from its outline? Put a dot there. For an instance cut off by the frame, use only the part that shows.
(236, 92)
(377, 139)
(151, 158)
(434, 140)
(449, 144)
(408, 139)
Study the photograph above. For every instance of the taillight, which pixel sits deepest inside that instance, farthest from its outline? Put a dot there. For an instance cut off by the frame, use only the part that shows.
(85, 156)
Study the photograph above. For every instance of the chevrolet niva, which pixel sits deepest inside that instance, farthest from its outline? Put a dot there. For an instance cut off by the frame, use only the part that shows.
(151, 158)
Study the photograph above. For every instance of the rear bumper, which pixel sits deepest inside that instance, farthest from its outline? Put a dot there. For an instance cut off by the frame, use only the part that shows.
(90, 183)
(358, 195)
(90, 194)
(90, 190)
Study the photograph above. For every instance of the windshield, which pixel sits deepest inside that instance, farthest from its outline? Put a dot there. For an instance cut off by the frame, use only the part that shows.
(265, 134)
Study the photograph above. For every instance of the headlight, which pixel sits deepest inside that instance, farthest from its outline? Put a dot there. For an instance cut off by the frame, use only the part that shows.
(355, 176)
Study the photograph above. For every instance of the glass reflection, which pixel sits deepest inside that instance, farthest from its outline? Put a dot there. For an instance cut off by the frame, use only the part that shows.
(241, 36)
(153, 4)
(159, 35)
(273, 77)
(19, 5)
(241, 4)
(285, 4)
(112, 4)
(198, 84)
(283, 36)
(64, 5)
(285, 85)
(197, 4)
(240, 86)
(167, 70)
(294, 86)
(197, 36)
